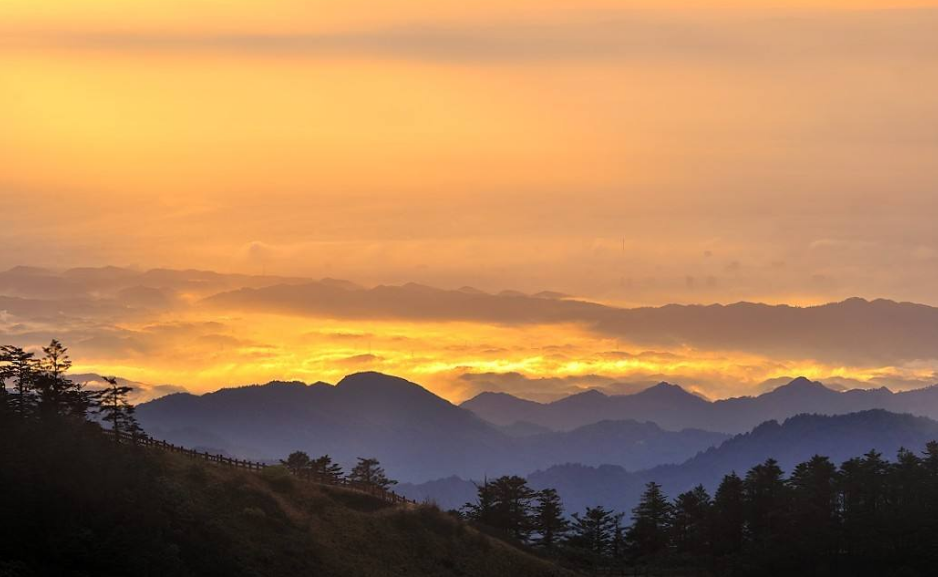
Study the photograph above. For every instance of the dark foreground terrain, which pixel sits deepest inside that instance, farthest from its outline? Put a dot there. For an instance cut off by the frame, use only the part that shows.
(73, 502)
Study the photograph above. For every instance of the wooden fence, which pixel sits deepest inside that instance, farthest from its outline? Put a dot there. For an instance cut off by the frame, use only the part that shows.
(305, 474)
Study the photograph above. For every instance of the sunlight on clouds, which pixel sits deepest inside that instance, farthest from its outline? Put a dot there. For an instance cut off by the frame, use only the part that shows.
(436, 355)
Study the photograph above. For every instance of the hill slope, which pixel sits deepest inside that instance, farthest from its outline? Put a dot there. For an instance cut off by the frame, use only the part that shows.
(75, 503)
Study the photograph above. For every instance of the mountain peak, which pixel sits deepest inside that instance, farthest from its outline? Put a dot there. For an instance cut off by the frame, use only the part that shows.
(804, 382)
(664, 390)
(374, 380)
(801, 385)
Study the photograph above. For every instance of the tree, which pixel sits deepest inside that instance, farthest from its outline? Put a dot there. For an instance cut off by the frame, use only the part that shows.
(483, 510)
(116, 409)
(691, 525)
(18, 369)
(647, 538)
(506, 504)
(728, 517)
(814, 509)
(548, 520)
(765, 494)
(370, 472)
(297, 462)
(57, 393)
(325, 468)
(594, 530)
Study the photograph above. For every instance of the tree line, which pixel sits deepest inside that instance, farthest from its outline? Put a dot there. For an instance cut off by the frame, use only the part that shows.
(869, 516)
(368, 471)
(37, 388)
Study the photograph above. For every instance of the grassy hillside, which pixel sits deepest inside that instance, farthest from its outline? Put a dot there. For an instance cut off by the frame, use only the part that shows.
(75, 503)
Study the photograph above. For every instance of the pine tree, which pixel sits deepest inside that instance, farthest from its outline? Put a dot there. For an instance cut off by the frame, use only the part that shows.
(548, 519)
(505, 503)
(370, 472)
(814, 509)
(325, 468)
(116, 409)
(728, 517)
(647, 538)
(594, 531)
(19, 370)
(691, 525)
(512, 506)
(297, 462)
(483, 510)
(766, 495)
(57, 393)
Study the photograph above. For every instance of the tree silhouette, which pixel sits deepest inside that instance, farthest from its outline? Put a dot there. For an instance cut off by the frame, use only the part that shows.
(57, 393)
(594, 531)
(691, 527)
(548, 520)
(116, 409)
(505, 503)
(325, 468)
(297, 462)
(765, 494)
(370, 472)
(728, 518)
(647, 538)
(19, 371)
(483, 510)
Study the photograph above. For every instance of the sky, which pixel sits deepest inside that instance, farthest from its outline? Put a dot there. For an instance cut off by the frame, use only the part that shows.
(630, 153)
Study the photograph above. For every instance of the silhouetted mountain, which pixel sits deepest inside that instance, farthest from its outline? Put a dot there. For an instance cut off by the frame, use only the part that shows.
(796, 440)
(417, 435)
(672, 407)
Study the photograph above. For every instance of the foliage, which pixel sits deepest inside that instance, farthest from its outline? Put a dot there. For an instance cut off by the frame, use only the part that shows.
(370, 472)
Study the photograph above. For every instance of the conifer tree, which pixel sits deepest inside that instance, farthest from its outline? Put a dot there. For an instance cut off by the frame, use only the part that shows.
(325, 467)
(370, 472)
(729, 516)
(483, 509)
(647, 538)
(594, 531)
(297, 462)
(19, 370)
(505, 503)
(116, 409)
(814, 509)
(548, 519)
(57, 393)
(765, 494)
(691, 525)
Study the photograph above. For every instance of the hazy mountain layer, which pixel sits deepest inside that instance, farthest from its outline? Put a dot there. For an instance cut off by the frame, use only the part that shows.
(418, 435)
(791, 442)
(672, 407)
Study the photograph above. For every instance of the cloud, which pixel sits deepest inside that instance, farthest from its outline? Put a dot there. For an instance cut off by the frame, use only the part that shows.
(753, 38)
(855, 332)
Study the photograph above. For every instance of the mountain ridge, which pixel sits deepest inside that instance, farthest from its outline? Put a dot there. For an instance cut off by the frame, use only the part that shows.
(675, 408)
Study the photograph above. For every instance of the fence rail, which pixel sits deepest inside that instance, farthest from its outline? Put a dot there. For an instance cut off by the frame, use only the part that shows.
(256, 466)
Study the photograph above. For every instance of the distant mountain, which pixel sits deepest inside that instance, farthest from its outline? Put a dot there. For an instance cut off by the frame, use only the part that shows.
(417, 435)
(672, 407)
(796, 440)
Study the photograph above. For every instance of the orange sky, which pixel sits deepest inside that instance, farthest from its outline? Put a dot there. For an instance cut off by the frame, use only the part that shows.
(630, 152)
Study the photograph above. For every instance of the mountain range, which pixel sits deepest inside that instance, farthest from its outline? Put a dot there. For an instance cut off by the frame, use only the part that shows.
(672, 407)
(416, 434)
(797, 439)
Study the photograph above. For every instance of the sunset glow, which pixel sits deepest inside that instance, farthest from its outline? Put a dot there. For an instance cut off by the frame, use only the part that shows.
(630, 153)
